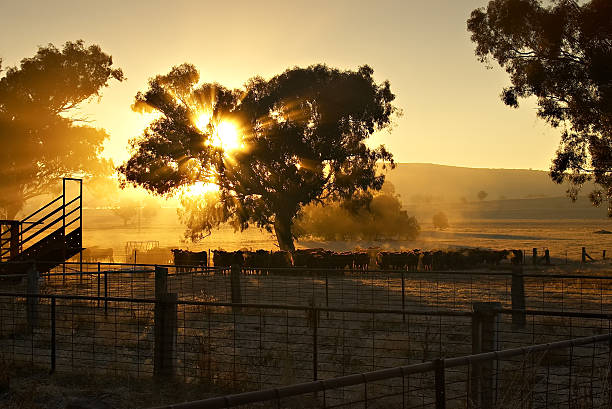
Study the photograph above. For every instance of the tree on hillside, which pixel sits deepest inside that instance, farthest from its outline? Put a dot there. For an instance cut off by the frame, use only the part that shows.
(126, 209)
(561, 53)
(298, 137)
(440, 221)
(482, 195)
(41, 139)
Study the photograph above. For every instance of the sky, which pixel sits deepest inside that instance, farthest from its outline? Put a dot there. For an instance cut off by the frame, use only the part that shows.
(452, 113)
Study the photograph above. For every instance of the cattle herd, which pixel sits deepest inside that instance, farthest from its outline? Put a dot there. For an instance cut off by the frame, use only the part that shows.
(413, 260)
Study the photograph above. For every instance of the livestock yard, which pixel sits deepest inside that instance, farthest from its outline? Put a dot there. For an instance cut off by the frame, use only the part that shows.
(381, 326)
(249, 328)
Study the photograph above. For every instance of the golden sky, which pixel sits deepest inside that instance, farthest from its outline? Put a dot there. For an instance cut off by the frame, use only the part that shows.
(452, 111)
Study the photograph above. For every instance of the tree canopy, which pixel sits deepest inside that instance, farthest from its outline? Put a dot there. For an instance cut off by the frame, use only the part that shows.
(301, 139)
(368, 216)
(559, 52)
(40, 137)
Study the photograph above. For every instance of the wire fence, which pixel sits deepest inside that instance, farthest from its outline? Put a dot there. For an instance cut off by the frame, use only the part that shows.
(390, 289)
(567, 374)
(254, 346)
(294, 325)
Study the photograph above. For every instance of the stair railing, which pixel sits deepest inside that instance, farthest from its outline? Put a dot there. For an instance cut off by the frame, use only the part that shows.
(30, 230)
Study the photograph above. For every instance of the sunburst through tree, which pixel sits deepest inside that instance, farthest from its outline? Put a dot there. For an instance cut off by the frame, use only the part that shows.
(269, 148)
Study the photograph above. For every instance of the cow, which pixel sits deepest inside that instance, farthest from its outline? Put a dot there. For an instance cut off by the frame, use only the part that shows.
(95, 254)
(225, 259)
(185, 260)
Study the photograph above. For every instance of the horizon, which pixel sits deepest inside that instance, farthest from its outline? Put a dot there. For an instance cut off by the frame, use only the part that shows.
(452, 113)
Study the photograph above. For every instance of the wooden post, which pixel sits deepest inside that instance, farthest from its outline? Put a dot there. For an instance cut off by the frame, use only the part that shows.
(105, 293)
(81, 266)
(99, 283)
(518, 297)
(403, 299)
(482, 376)
(534, 259)
(440, 383)
(32, 311)
(165, 326)
(235, 284)
(586, 255)
(165, 335)
(547, 257)
(161, 280)
(14, 241)
(604, 255)
(315, 343)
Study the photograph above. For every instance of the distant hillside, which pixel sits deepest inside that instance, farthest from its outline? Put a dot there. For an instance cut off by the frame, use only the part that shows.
(418, 182)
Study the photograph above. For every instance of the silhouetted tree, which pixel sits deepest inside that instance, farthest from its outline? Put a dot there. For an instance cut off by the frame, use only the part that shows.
(126, 209)
(482, 195)
(376, 216)
(561, 53)
(440, 220)
(40, 139)
(303, 132)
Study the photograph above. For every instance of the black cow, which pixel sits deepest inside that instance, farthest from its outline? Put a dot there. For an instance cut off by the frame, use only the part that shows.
(185, 260)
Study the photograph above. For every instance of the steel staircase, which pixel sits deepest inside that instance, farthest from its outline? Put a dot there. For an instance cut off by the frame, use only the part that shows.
(48, 237)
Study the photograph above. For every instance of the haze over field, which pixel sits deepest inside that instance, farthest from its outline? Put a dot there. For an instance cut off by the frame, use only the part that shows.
(535, 213)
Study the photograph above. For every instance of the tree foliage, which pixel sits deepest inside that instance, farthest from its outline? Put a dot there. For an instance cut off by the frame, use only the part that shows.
(482, 195)
(373, 216)
(559, 52)
(303, 131)
(40, 138)
(440, 221)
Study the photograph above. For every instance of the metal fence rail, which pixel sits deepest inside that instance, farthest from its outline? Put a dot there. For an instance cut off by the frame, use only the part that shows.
(566, 374)
(254, 346)
(392, 289)
(241, 346)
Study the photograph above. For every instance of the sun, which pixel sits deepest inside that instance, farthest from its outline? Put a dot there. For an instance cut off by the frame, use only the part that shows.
(226, 134)
(202, 120)
(201, 189)
(227, 137)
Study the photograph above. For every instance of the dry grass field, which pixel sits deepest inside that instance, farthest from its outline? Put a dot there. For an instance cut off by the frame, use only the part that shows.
(220, 349)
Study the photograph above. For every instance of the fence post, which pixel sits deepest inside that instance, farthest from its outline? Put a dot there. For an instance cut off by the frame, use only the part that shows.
(604, 255)
(32, 311)
(105, 293)
(165, 326)
(165, 335)
(440, 383)
(326, 292)
(482, 382)
(14, 241)
(315, 342)
(161, 281)
(403, 299)
(518, 297)
(535, 256)
(547, 257)
(235, 284)
(53, 346)
(98, 284)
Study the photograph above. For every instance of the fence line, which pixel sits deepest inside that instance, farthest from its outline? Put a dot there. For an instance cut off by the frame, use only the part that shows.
(439, 366)
(257, 345)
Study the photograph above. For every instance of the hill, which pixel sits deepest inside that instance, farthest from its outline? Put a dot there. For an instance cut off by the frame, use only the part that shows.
(418, 181)
(512, 193)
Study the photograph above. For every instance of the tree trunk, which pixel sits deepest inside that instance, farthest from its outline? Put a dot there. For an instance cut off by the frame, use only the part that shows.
(282, 228)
